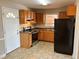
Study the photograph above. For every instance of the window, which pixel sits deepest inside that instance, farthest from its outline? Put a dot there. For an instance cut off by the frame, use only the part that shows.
(50, 19)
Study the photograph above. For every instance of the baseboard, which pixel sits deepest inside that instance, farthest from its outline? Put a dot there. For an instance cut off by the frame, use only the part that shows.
(2, 56)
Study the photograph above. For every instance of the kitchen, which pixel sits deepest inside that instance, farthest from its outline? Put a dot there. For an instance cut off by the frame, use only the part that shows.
(36, 27)
(43, 23)
(36, 23)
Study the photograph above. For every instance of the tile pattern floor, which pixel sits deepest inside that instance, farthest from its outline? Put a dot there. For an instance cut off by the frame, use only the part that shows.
(42, 50)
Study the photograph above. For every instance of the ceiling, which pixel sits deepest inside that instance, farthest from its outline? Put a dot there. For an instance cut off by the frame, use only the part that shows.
(52, 3)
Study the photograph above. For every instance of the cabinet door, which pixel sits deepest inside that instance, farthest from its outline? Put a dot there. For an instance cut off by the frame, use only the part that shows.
(24, 40)
(28, 14)
(40, 35)
(39, 18)
(48, 35)
(31, 14)
(34, 16)
(30, 40)
(23, 16)
(71, 10)
(62, 15)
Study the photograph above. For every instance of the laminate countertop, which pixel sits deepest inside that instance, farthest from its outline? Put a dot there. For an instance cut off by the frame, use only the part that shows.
(44, 26)
(36, 28)
(32, 31)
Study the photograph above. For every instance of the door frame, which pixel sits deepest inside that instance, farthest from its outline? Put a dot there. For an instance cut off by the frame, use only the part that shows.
(5, 30)
(76, 37)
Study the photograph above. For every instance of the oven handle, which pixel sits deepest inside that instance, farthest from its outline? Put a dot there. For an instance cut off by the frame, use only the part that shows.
(34, 32)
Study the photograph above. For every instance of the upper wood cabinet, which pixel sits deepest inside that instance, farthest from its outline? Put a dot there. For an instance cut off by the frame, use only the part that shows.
(33, 16)
(39, 18)
(25, 14)
(71, 10)
(62, 15)
(22, 16)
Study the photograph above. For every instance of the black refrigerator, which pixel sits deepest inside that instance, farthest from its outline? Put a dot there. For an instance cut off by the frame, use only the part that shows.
(64, 35)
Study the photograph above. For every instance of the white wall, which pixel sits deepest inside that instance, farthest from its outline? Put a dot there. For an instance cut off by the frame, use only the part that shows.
(50, 11)
(2, 42)
(1, 25)
(55, 11)
(10, 5)
(76, 39)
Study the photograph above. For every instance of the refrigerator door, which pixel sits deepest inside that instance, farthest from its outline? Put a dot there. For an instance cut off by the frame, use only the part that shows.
(64, 36)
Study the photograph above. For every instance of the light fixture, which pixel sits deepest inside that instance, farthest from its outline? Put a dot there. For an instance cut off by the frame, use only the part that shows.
(43, 2)
(10, 15)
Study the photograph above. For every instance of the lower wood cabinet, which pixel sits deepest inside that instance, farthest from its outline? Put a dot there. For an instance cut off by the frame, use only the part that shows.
(49, 35)
(25, 40)
(46, 35)
(40, 34)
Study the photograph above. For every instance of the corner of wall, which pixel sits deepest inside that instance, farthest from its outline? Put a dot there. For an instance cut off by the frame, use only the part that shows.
(2, 56)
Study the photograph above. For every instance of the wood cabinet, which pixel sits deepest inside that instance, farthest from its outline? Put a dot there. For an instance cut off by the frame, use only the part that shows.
(22, 16)
(40, 35)
(25, 14)
(46, 35)
(62, 15)
(39, 18)
(49, 35)
(32, 15)
(71, 10)
(25, 40)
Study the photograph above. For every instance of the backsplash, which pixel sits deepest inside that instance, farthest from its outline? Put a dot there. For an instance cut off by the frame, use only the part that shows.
(26, 26)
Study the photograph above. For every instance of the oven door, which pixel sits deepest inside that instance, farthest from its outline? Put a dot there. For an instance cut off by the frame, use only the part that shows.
(34, 37)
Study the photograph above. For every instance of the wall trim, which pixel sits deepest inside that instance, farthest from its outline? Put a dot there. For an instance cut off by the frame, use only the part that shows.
(2, 56)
